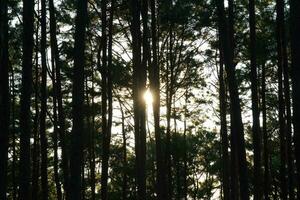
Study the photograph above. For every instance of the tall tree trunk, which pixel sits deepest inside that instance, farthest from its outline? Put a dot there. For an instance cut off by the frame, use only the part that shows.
(26, 90)
(223, 133)
(139, 82)
(185, 155)
(255, 101)
(76, 157)
(106, 86)
(61, 115)
(13, 133)
(237, 129)
(155, 89)
(43, 137)
(125, 178)
(36, 143)
(295, 51)
(288, 120)
(265, 135)
(92, 137)
(4, 98)
(55, 132)
(282, 124)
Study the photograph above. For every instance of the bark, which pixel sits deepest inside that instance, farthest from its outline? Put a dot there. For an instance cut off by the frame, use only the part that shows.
(58, 90)
(125, 178)
(256, 131)
(92, 139)
(36, 143)
(224, 133)
(265, 136)
(169, 94)
(55, 133)
(139, 82)
(155, 89)
(295, 52)
(13, 133)
(185, 155)
(281, 108)
(4, 98)
(43, 137)
(76, 157)
(237, 129)
(287, 102)
(26, 90)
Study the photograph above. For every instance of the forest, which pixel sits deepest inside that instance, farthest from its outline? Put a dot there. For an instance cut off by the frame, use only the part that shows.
(149, 99)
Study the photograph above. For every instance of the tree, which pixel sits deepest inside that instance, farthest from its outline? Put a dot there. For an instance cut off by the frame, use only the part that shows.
(295, 52)
(4, 98)
(281, 62)
(223, 133)
(237, 130)
(155, 88)
(255, 101)
(43, 137)
(26, 90)
(139, 82)
(58, 96)
(106, 73)
(77, 102)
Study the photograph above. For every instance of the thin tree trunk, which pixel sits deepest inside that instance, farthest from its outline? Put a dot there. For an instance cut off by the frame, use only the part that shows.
(55, 132)
(61, 115)
(288, 120)
(43, 137)
(124, 184)
(4, 98)
(76, 158)
(265, 136)
(26, 90)
(92, 137)
(185, 155)
(295, 52)
(282, 124)
(256, 131)
(139, 82)
(104, 99)
(36, 144)
(155, 89)
(223, 133)
(13, 133)
(237, 129)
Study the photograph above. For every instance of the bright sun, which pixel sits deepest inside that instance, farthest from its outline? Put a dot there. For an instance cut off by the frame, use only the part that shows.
(148, 97)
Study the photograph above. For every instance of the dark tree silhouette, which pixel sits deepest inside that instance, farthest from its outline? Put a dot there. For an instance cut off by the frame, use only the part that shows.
(76, 157)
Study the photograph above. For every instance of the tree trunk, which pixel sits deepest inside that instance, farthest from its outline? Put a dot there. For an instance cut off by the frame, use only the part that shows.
(43, 137)
(36, 143)
(155, 89)
(223, 133)
(139, 82)
(295, 51)
(61, 115)
(265, 135)
(124, 184)
(288, 120)
(55, 132)
(282, 124)
(4, 98)
(255, 101)
(26, 89)
(76, 157)
(13, 133)
(237, 129)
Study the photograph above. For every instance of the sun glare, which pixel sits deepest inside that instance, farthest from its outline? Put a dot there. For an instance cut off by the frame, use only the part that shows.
(148, 97)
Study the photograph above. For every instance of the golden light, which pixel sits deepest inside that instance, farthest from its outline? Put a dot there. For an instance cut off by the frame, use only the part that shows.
(148, 97)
